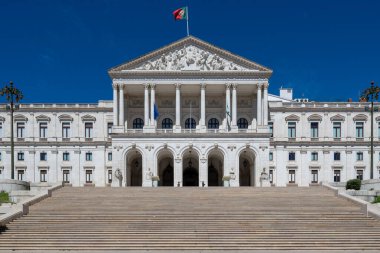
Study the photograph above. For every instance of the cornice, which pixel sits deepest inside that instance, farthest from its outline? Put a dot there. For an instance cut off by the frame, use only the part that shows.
(189, 74)
(324, 143)
(191, 135)
(57, 143)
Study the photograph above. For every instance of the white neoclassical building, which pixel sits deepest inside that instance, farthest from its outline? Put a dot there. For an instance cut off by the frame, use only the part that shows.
(190, 114)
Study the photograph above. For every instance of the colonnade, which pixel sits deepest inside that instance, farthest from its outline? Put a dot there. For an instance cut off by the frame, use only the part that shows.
(149, 103)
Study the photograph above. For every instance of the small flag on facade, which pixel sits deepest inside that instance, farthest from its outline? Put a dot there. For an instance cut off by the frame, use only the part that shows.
(180, 13)
(155, 112)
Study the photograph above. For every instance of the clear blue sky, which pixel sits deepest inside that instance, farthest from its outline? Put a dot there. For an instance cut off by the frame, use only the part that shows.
(60, 51)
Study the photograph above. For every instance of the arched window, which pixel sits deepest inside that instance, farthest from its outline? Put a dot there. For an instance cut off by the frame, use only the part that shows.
(213, 123)
(190, 123)
(138, 123)
(167, 123)
(242, 123)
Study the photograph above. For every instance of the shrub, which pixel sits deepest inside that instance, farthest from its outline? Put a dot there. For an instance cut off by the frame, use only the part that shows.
(4, 197)
(353, 184)
(377, 200)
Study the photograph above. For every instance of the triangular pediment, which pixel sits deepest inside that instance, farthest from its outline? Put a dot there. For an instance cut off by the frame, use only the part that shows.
(190, 54)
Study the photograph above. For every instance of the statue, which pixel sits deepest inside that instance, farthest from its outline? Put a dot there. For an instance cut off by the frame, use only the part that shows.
(119, 176)
(264, 179)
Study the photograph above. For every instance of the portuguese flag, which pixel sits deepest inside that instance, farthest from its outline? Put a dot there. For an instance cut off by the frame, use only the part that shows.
(180, 13)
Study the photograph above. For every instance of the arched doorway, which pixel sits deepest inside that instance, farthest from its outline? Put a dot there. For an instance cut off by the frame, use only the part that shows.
(215, 168)
(246, 168)
(190, 176)
(165, 168)
(134, 168)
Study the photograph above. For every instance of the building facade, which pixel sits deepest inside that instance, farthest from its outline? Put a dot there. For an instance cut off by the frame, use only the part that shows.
(190, 114)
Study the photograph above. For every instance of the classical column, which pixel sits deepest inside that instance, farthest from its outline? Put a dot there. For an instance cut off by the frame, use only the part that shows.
(259, 117)
(265, 104)
(115, 104)
(146, 105)
(234, 104)
(203, 105)
(228, 103)
(121, 105)
(152, 101)
(178, 105)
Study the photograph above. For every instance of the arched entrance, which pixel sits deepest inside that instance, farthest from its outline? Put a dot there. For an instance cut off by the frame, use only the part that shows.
(190, 176)
(134, 168)
(215, 168)
(246, 168)
(165, 168)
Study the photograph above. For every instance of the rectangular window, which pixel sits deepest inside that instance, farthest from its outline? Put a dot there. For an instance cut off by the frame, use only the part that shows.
(20, 175)
(292, 176)
(88, 129)
(109, 176)
(66, 130)
(43, 176)
(336, 156)
(336, 176)
(314, 176)
(109, 156)
(88, 156)
(88, 176)
(66, 176)
(336, 130)
(43, 130)
(1, 129)
(20, 156)
(359, 156)
(270, 156)
(359, 174)
(292, 156)
(314, 129)
(378, 130)
(109, 129)
(359, 130)
(0, 156)
(271, 176)
(271, 129)
(20, 129)
(66, 156)
(292, 129)
(314, 156)
(43, 156)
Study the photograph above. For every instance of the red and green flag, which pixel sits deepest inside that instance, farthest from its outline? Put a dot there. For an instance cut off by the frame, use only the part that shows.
(180, 13)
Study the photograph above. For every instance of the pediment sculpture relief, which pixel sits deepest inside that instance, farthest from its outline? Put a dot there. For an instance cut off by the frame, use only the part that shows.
(190, 58)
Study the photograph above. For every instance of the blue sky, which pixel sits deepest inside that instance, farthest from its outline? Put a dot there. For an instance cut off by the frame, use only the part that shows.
(60, 51)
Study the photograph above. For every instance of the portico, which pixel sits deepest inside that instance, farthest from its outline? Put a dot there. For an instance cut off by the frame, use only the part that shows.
(188, 109)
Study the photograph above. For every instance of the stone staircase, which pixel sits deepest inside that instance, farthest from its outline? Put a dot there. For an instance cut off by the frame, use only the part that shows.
(193, 219)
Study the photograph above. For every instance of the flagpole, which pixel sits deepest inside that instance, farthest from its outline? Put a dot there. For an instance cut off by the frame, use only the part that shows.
(187, 20)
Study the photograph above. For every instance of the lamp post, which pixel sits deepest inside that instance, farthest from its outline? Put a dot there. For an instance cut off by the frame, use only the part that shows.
(13, 96)
(370, 94)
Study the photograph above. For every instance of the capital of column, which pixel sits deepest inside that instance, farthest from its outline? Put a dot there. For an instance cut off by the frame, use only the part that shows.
(152, 86)
(115, 85)
(228, 85)
(177, 86)
(203, 85)
(121, 86)
(259, 86)
(265, 86)
(146, 85)
(234, 86)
